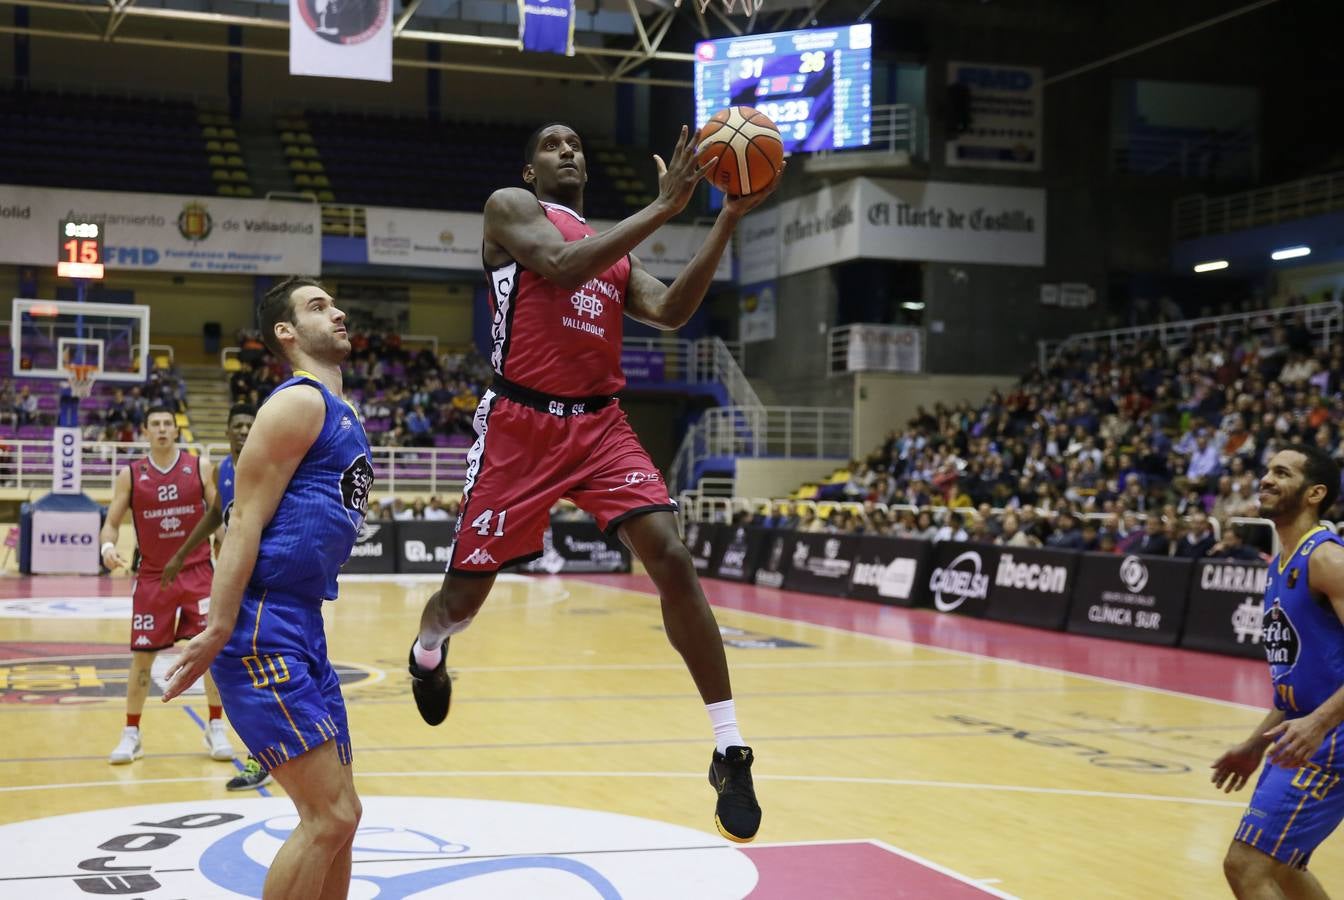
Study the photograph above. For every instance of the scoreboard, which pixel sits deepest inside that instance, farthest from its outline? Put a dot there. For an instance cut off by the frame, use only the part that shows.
(816, 85)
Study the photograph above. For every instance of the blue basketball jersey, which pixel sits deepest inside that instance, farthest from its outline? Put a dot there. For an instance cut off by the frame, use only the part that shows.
(1302, 635)
(225, 487)
(322, 510)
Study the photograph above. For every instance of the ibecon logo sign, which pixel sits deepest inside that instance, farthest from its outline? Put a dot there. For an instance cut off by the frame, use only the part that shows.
(1031, 576)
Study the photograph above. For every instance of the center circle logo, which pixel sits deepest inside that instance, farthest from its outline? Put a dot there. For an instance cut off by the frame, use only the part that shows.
(345, 21)
(405, 847)
(1133, 573)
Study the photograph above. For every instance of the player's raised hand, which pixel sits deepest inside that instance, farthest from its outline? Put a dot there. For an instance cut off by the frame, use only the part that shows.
(740, 206)
(1296, 741)
(193, 662)
(677, 179)
(1234, 768)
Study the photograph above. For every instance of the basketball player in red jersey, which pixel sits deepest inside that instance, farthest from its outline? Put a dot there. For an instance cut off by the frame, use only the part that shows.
(167, 493)
(550, 426)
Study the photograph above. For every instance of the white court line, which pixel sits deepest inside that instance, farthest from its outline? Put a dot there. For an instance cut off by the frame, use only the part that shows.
(928, 863)
(825, 779)
(681, 667)
(936, 649)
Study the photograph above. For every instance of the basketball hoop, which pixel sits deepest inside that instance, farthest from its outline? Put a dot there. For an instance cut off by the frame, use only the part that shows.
(81, 378)
(749, 7)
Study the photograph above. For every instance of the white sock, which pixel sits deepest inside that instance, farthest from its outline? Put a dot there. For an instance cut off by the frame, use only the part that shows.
(427, 659)
(723, 716)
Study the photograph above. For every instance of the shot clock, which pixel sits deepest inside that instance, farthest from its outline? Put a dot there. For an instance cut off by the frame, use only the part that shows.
(81, 249)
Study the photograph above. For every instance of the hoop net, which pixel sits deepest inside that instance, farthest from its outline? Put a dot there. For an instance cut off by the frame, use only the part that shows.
(748, 7)
(81, 378)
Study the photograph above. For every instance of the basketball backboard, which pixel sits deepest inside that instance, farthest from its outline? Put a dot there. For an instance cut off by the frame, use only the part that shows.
(46, 336)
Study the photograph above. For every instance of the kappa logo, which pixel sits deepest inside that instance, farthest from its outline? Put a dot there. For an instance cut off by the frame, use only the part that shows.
(186, 470)
(480, 557)
(142, 641)
(144, 476)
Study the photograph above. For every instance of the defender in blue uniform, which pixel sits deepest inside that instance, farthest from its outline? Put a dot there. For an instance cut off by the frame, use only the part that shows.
(301, 495)
(1299, 799)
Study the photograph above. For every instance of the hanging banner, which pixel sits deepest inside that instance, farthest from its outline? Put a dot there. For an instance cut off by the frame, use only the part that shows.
(452, 240)
(1005, 117)
(756, 313)
(341, 38)
(167, 233)
(546, 26)
(885, 348)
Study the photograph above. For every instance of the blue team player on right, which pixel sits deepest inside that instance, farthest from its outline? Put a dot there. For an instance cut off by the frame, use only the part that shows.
(1299, 799)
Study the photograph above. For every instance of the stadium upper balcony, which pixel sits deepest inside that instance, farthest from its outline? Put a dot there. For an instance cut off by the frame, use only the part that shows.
(141, 144)
(349, 158)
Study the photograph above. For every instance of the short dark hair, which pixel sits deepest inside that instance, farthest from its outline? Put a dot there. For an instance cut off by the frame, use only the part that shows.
(1319, 468)
(278, 306)
(241, 409)
(160, 408)
(530, 148)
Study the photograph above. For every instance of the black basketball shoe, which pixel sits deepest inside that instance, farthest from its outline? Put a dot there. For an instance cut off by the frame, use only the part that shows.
(433, 689)
(737, 814)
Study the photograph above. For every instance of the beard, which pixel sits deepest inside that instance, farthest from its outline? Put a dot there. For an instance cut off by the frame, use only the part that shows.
(1285, 506)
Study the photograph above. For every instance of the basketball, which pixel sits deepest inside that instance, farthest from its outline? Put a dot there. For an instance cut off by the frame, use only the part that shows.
(746, 148)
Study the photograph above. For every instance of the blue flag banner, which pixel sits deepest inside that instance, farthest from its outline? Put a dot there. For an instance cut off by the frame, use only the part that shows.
(546, 26)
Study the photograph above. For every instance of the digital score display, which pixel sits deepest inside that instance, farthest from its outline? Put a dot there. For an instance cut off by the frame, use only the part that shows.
(81, 250)
(816, 85)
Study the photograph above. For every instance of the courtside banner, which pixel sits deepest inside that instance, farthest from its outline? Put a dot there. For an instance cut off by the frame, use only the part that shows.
(579, 547)
(889, 570)
(1133, 598)
(959, 578)
(1226, 606)
(821, 563)
(422, 547)
(341, 38)
(772, 560)
(700, 539)
(166, 232)
(1032, 587)
(740, 550)
(375, 550)
(546, 26)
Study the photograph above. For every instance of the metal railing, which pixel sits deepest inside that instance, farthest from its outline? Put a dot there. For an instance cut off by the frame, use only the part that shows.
(407, 340)
(27, 465)
(155, 351)
(893, 128)
(1323, 320)
(781, 432)
(1198, 215)
(1227, 156)
(837, 350)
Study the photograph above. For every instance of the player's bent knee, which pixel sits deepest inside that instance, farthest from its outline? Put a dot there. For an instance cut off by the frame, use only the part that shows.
(666, 553)
(1244, 866)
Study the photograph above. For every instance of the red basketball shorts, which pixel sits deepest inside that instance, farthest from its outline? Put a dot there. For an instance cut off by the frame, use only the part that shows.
(526, 459)
(159, 617)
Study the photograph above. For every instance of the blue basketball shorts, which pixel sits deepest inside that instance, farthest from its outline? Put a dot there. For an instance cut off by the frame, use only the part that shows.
(1293, 810)
(279, 690)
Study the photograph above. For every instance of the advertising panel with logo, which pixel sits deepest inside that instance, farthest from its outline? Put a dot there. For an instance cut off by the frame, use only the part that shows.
(65, 543)
(889, 570)
(167, 233)
(821, 563)
(960, 577)
(741, 548)
(373, 553)
(1032, 587)
(643, 365)
(772, 560)
(1133, 598)
(579, 547)
(422, 546)
(700, 539)
(1226, 605)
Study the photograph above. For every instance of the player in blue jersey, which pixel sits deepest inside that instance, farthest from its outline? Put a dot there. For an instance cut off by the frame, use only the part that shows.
(1299, 798)
(216, 522)
(302, 492)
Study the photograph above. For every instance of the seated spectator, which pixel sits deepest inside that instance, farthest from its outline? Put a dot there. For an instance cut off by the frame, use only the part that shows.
(25, 407)
(1067, 534)
(1153, 541)
(1198, 539)
(435, 511)
(952, 530)
(924, 528)
(1233, 546)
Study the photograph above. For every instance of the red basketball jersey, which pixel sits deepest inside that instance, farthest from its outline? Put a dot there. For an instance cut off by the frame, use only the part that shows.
(166, 505)
(553, 340)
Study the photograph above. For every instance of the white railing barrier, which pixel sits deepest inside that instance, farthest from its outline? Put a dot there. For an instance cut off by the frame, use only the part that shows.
(893, 127)
(1198, 215)
(785, 432)
(1323, 320)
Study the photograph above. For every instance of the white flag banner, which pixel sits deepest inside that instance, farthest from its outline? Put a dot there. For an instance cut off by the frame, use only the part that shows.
(341, 38)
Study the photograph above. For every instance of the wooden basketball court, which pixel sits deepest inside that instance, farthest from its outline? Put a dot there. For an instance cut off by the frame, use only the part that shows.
(899, 754)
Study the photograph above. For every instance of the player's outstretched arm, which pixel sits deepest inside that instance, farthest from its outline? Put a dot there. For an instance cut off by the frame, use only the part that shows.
(285, 429)
(1297, 740)
(514, 221)
(667, 307)
(208, 525)
(116, 511)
